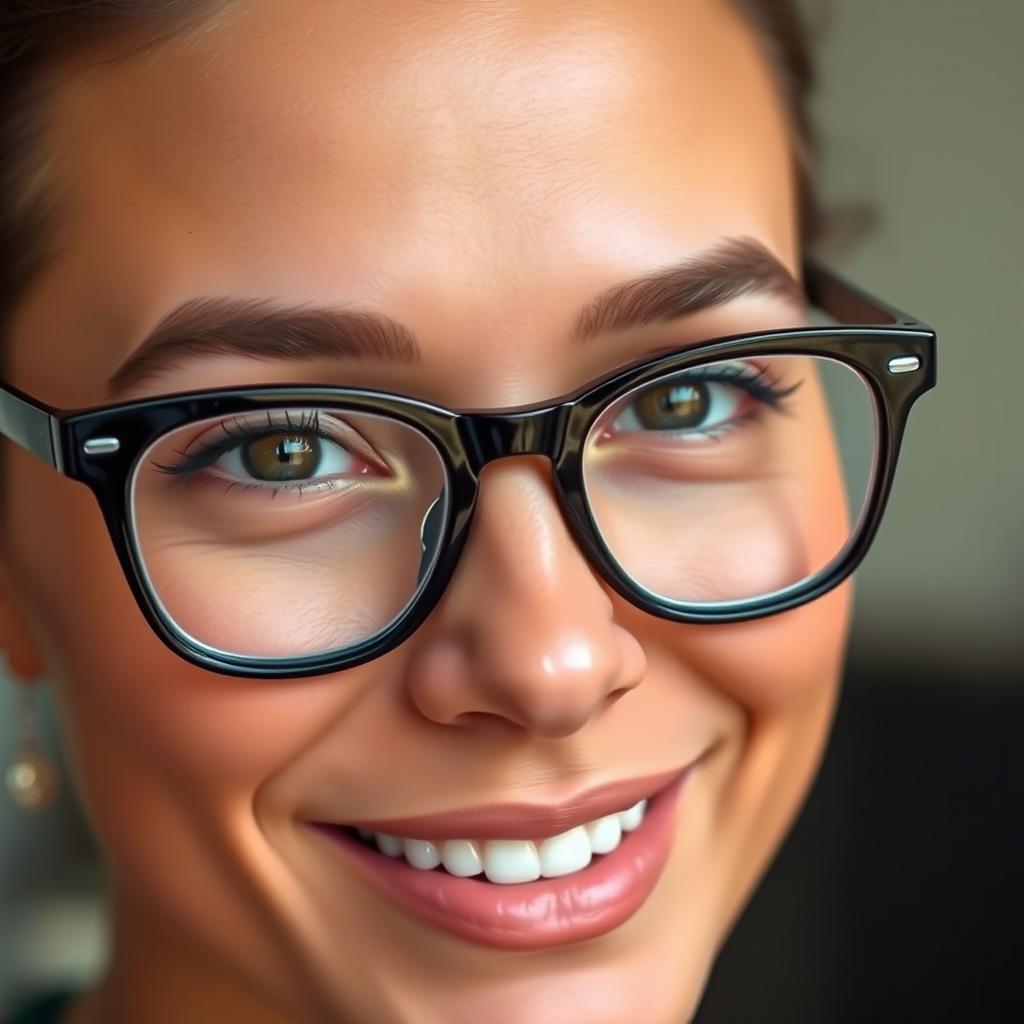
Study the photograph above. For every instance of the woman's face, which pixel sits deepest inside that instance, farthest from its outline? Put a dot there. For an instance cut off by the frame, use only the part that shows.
(479, 174)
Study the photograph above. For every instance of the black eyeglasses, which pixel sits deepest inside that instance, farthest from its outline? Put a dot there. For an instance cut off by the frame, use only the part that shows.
(290, 531)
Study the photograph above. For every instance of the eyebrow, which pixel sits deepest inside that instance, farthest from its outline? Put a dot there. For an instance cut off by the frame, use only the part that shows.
(734, 268)
(265, 330)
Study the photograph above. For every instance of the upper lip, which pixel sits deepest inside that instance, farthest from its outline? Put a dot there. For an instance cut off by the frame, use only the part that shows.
(524, 820)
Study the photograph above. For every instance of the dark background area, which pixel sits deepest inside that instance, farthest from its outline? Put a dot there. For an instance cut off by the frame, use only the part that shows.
(897, 896)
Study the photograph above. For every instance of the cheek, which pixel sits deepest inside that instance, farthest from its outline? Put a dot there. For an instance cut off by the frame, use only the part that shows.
(773, 684)
(776, 665)
(168, 759)
(145, 730)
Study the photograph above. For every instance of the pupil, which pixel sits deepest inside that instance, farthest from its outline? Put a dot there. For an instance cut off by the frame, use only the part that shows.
(282, 457)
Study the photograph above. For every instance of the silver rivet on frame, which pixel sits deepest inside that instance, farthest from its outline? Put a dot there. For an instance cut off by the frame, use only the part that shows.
(904, 364)
(101, 446)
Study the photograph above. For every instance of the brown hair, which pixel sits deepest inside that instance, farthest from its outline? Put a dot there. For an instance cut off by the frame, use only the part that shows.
(34, 34)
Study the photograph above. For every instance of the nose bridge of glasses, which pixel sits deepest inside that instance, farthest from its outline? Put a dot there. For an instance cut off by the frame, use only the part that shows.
(490, 436)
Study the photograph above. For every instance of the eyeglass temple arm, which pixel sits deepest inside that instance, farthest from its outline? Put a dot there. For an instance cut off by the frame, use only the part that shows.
(31, 426)
(849, 304)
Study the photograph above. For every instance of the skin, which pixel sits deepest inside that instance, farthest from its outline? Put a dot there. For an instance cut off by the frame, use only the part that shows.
(478, 173)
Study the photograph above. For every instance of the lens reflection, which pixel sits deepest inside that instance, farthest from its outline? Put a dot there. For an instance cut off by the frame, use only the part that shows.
(290, 532)
(732, 481)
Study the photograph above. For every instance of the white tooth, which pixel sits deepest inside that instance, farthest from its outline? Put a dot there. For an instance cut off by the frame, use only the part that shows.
(511, 860)
(565, 853)
(630, 819)
(461, 857)
(604, 834)
(391, 845)
(421, 853)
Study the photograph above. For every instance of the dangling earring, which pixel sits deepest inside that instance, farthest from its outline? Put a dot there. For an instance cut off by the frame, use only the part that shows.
(31, 776)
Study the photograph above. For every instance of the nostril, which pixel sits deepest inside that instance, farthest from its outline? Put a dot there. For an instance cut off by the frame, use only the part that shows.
(616, 695)
(489, 721)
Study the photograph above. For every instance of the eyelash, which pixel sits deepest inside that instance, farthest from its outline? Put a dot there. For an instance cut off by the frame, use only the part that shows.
(758, 383)
(209, 453)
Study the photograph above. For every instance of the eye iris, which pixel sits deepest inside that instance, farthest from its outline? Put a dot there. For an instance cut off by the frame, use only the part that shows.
(282, 457)
(673, 406)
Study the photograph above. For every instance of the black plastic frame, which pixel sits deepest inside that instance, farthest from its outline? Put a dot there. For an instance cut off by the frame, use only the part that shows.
(873, 336)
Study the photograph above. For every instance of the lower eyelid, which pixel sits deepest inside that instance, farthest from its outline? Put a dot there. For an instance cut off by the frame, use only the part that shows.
(226, 484)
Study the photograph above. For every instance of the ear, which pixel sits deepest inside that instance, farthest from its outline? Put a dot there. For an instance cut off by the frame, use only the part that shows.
(17, 639)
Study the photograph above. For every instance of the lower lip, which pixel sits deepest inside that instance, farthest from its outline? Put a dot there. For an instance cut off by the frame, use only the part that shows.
(531, 915)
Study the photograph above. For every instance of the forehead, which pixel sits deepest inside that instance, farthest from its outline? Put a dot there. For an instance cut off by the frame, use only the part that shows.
(458, 155)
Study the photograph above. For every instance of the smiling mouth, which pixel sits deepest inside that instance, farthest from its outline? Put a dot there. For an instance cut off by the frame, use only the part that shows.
(509, 861)
(581, 875)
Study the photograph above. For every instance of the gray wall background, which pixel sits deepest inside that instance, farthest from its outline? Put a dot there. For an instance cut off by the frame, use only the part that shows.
(920, 112)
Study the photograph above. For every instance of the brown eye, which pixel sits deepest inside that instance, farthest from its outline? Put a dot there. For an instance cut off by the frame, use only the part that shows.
(675, 406)
(701, 403)
(283, 457)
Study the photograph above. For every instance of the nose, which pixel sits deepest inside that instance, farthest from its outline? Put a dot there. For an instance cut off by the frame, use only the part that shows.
(525, 633)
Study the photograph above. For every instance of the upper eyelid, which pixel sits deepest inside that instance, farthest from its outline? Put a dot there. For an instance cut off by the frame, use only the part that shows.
(350, 437)
(206, 453)
(751, 378)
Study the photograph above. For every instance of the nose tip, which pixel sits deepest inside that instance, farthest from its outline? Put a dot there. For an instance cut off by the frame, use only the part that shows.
(572, 680)
(525, 631)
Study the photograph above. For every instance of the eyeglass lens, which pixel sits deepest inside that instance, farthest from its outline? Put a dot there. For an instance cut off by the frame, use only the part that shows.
(301, 531)
(735, 480)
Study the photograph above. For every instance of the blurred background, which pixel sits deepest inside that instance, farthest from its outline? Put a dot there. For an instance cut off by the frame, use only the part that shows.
(894, 897)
